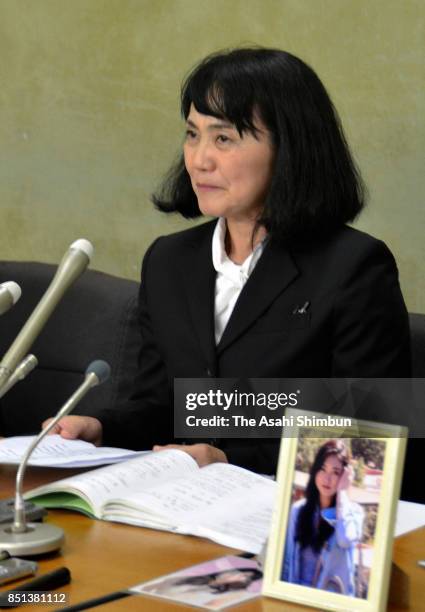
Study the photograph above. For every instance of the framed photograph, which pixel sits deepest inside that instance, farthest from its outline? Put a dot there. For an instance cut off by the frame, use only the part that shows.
(331, 538)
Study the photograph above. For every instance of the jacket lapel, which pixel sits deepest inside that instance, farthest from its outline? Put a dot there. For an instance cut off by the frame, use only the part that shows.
(274, 271)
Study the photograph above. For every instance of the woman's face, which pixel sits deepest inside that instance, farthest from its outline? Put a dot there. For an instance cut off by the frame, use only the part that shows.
(327, 479)
(230, 174)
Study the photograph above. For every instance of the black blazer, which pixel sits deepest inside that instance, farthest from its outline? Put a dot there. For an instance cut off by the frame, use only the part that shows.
(356, 326)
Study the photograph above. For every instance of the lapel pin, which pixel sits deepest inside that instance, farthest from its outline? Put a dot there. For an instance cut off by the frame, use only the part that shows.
(301, 310)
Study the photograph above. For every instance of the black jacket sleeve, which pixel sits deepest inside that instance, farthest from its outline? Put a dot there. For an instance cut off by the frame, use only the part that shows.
(143, 413)
(371, 337)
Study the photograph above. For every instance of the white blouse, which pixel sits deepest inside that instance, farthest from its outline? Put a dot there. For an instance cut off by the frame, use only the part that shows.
(230, 278)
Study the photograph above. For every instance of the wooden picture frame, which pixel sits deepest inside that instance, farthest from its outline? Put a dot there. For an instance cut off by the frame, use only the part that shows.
(354, 585)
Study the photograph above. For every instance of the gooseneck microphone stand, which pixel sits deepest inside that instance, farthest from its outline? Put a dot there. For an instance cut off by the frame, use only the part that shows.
(20, 537)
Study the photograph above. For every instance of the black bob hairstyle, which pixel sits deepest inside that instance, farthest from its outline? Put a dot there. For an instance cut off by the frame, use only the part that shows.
(307, 533)
(316, 187)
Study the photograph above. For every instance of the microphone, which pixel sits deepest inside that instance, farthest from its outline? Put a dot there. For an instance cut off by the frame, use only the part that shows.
(26, 366)
(73, 264)
(10, 292)
(20, 537)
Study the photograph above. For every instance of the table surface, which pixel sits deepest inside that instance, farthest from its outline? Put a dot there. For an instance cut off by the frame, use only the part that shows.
(105, 557)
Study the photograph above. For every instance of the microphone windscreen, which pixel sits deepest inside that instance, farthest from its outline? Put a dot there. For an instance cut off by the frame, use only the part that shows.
(83, 245)
(14, 290)
(100, 368)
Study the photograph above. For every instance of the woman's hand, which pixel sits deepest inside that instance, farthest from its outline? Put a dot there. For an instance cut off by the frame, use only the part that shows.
(204, 454)
(84, 428)
(346, 478)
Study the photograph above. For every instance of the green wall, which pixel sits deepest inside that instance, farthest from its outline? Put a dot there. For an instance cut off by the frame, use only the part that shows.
(89, 115)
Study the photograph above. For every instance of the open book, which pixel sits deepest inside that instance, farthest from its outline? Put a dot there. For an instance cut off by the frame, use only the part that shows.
(167, 490)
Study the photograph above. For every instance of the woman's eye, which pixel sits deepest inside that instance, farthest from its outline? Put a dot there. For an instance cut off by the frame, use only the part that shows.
(223, 138)
(190, 134)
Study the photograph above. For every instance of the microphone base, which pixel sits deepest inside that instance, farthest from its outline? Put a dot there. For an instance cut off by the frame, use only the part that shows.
(39, 538)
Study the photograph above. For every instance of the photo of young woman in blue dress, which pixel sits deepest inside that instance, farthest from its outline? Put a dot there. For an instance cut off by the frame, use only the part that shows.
(325, 526)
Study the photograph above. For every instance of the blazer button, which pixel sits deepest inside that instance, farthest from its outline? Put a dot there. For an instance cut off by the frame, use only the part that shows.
(209, 373)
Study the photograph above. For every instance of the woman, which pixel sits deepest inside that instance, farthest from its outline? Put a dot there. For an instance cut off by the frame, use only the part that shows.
(218, 582)
(279, 286)
(325, 526)
(215, 590)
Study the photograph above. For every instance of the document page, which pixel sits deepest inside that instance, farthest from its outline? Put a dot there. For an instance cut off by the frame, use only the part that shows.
(245, 526)
(99, 486)
(410, 516)
(223, 502)
(55, 451)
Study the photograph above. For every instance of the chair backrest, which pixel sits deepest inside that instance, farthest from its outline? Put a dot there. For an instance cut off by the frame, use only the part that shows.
(96, 319)
(417, 337)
